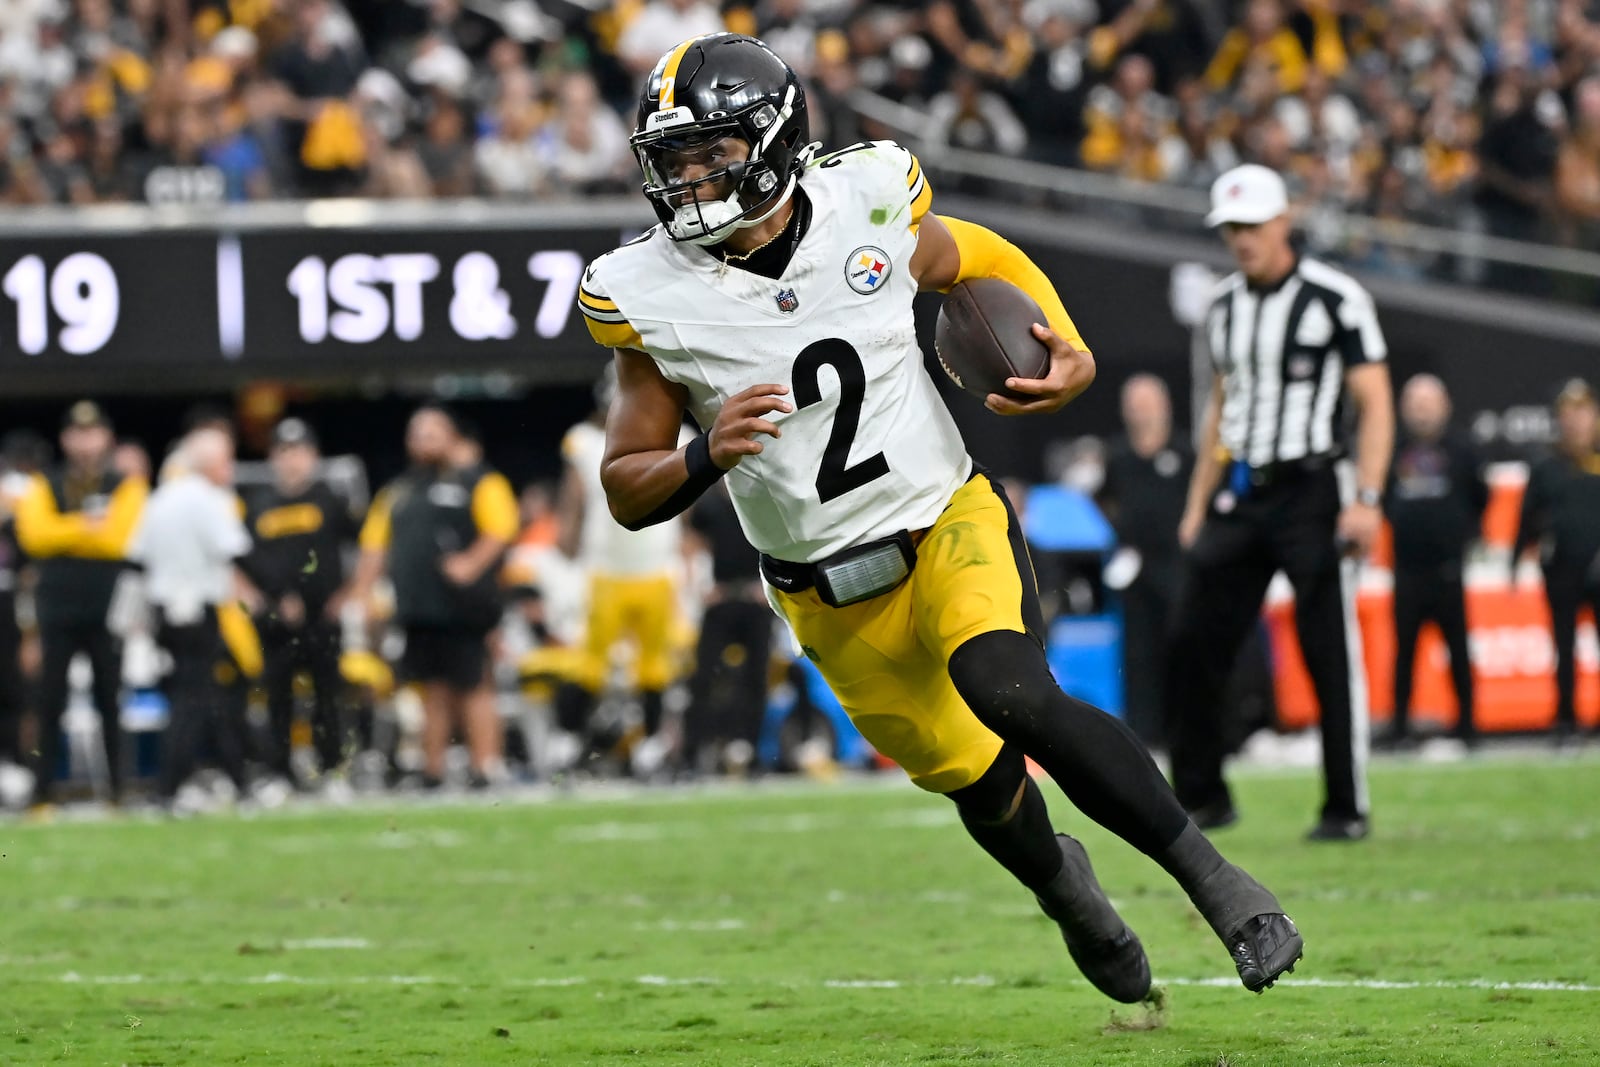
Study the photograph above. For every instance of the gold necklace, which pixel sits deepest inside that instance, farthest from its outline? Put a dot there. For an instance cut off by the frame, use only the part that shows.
(741, 257)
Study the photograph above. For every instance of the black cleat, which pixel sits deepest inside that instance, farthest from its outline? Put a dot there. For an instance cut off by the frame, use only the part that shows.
(1105, 949)
(1336, 828)
(1262, 941)
(1265, 948)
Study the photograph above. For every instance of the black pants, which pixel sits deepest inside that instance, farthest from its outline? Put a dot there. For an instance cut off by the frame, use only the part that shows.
(1431, 594)
(201, 718)
(313, 648)
(59, 642)
(1289, 526)
(1568, 588)
(13, 693)
(729, 687)
(1147, 608)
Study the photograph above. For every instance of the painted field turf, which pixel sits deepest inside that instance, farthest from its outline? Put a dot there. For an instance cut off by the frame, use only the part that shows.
(793, 925)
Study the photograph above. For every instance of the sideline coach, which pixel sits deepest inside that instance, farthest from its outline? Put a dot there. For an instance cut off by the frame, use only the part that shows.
(1292, 341)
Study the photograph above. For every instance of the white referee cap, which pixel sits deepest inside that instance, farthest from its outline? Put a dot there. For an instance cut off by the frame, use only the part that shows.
(1249, 194)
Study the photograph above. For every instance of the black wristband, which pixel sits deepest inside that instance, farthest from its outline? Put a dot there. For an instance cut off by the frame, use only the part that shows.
(703, 474)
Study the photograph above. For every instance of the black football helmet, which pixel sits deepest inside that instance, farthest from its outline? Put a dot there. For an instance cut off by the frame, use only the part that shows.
(711, 87)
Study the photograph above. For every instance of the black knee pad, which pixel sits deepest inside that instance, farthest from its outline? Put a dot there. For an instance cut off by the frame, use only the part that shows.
(991, 797)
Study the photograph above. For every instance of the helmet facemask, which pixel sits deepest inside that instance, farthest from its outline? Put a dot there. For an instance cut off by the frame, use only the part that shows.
(756, 187)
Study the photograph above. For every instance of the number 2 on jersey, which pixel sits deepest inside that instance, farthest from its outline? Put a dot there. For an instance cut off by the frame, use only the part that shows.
(837, 477)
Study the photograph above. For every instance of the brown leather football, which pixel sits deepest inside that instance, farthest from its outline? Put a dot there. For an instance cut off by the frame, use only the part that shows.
(984, 336)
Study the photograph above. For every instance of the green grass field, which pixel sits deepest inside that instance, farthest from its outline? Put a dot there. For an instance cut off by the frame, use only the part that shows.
(816, 925)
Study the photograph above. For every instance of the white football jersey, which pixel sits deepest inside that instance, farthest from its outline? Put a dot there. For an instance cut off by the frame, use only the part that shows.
(870, 448)
(605, 547)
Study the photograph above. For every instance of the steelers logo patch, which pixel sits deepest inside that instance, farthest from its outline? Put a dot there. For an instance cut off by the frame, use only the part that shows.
(867, 269)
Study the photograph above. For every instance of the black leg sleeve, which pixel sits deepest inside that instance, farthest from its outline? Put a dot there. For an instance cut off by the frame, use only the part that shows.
(1006, 815)
(1095, 759)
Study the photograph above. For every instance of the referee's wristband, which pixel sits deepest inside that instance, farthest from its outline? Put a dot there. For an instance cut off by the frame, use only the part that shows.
(703, 474)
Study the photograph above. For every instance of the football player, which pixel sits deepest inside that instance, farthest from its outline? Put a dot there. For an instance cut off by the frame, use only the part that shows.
(633, 579)
(773, 303)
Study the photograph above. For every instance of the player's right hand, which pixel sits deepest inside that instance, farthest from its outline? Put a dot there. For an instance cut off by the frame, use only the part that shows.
(733, 435)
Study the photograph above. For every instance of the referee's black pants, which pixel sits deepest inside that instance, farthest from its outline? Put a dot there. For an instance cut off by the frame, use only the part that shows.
(286, 651)
(1423, 594)
(201, 718)
(59, 641)
(1568, 587)
(1288, 525)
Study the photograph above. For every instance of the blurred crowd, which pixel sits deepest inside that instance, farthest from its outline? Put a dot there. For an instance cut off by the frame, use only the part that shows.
(1481, 114)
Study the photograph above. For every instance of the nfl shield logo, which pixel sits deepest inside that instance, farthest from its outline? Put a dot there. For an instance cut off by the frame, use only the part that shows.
(787, 301)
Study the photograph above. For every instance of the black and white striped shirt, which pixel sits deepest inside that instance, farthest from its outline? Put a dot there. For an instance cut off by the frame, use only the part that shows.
(1282, 353)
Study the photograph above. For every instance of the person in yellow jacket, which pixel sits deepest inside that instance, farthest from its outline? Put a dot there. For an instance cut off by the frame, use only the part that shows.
(75, 522)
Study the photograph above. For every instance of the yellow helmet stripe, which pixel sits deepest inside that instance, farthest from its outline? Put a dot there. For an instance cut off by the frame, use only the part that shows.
(669, 73)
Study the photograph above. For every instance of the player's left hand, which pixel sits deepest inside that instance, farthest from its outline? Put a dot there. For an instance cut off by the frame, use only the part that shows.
(1358, 529)
(1071, 372)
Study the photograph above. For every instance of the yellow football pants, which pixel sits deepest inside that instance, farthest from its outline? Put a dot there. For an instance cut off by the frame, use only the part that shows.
(641, 610)
(886, 659)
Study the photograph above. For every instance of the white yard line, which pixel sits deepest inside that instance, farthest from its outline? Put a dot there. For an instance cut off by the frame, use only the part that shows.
(692, 926)
(326, 943)
(1219, 982)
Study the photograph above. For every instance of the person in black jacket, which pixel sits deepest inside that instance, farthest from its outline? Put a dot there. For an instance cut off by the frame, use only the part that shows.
(441, 531)
(1145, 489)
(1435, 502)
(299, 527)
(76, 523)
(1561, 510)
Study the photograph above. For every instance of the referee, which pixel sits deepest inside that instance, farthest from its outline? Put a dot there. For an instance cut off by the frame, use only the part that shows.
(1292, 341)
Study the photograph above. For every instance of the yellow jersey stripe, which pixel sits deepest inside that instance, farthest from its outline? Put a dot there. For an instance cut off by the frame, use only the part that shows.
(598, 303)
(602, 316)
(921, 202)
(913, 174)
(614, 335)
(669, 73)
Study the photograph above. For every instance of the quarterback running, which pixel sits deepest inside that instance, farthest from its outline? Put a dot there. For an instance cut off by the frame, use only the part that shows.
(773, 304)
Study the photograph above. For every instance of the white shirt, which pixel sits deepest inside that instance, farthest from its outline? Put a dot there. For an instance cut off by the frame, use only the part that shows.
(607, 548)
(187, 540)
(660, 27)
(606, 157)
(871, 448)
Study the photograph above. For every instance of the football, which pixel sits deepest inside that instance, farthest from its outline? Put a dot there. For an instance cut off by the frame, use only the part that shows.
(984, 336)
